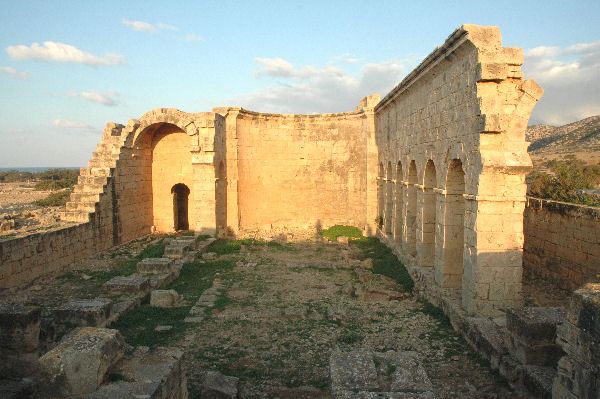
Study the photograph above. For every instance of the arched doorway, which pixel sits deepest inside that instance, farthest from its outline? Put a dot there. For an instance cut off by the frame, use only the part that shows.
(180, 193)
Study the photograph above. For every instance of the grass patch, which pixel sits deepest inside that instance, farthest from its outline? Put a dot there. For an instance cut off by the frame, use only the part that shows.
(350, 337)
(223, 247)
(59, 198)
(138, 325)
(385, 262)
(156, 250)
(336, 231)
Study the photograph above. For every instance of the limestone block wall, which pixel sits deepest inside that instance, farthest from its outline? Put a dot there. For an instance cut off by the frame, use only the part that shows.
(296, 172)
(562, 242)
(452, 162)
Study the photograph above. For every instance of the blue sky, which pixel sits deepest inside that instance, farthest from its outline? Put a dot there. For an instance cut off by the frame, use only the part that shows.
(68, 67)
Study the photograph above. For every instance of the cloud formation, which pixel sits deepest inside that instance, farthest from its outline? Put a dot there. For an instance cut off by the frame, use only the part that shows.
(61, 52)
(13, 72)
(107, 98)
(569, 76)
(142, 26)
(69, 124)
(192, 37)
(312, 89)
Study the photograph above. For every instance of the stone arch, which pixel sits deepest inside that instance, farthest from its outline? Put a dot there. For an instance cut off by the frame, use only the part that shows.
(410, 231)
(426, 220)
(389, 199)
(399, 204)
(449, 263)
(180, 193)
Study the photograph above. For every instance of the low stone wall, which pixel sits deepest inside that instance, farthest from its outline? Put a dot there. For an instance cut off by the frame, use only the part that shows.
(24, 259)
(562, 242)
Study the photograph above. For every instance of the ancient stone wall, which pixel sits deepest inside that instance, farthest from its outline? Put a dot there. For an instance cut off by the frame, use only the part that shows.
(562, 242)
(296, 172)
(452, 165)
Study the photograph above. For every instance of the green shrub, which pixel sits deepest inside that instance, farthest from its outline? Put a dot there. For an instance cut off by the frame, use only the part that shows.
(564, 182)
(59, 198)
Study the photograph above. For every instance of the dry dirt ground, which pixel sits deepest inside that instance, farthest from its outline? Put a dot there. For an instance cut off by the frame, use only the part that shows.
(16, 206)
(284, 309)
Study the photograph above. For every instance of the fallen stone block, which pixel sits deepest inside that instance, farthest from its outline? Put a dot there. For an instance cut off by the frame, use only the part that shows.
(164, 298)
(408, 373)
(17, 389)
(78, 364)
(218, 386)
(353, 371)
(367, 264)
(154, 265)
(532, 334)
(537, 380)
(133, 283)
(77, 313)
(19, 329)
(584, 310)
(146, 373)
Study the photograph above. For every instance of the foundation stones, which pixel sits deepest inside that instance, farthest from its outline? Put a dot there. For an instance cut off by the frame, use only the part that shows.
(19, 329)
(85, 312)
(366, 374)
(156, 374)
(164, 298)
(79, 363)
(218, 386)
(579, 336)
(133, 284)
(532, 334)
(154, 266)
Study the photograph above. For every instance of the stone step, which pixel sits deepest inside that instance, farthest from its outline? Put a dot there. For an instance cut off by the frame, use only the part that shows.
(90, 197)
(91, 180)
(75, 216)
(154, 265)
(156, 373)
(134, 283)
(79, 364)
(101, 163)
(88, 207)
(95, 171)
(92, 188)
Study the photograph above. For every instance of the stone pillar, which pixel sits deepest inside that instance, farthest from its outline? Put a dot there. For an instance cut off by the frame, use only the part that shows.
(389, 207)
(449, 243)
(372, 200)
(493, 254)
(410, 219)
(425, 226)
(204, 193)
(398, 211)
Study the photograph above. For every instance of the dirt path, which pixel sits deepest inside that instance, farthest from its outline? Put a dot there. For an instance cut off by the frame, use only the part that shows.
(286, 307)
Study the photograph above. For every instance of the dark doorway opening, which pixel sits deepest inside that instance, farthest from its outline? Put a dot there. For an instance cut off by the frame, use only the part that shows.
(180, 206)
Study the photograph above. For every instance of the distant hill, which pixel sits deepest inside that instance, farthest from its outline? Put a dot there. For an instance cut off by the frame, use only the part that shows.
(579, 139)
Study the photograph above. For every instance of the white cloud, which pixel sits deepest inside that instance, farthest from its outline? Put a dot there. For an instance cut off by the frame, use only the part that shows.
(13, 72)
(107, 98)
(569, 76)
(311, 89)
(139, 26)
(61, 52)
(142, 26)
(69, 124)
(192, 37)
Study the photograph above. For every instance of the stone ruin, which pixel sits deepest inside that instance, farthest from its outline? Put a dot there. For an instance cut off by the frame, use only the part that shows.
(436, 169)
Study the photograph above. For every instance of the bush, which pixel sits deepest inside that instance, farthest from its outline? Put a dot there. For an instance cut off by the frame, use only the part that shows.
(336, 231)
(564, 182)
(52, 179)
(59, 198)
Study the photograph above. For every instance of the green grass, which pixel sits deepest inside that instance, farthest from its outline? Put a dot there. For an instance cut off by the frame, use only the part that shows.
(224, 247)
(156, 250)
(384, 261)
(336, 231)
(138, 325)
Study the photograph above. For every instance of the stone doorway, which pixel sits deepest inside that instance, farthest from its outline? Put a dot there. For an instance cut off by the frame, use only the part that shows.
(180, 193)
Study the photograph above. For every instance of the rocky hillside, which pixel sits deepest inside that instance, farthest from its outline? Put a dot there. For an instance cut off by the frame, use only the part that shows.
(580, 139)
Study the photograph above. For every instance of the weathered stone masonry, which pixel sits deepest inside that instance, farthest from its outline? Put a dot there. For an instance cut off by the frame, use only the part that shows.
(436, 168)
